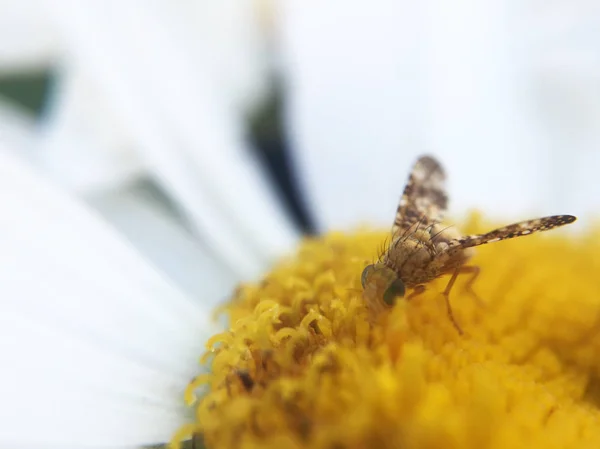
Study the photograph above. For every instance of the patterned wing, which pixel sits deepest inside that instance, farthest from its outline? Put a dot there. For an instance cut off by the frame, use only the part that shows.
(424, 200)
(512, 231)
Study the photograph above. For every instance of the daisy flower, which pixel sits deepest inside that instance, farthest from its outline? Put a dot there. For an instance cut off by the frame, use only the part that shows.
(302, 367)
(101, 341)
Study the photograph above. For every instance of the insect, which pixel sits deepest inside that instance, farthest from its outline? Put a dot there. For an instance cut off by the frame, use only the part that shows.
(422, 249)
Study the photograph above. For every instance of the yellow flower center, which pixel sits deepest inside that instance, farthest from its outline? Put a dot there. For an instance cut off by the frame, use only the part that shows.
(303, 365)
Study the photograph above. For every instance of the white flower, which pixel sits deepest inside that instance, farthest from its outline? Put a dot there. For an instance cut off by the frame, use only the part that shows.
(96, 345)
(98, 341)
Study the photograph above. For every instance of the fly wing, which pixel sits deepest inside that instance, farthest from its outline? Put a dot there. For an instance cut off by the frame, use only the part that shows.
(424, 200)
(511, 231)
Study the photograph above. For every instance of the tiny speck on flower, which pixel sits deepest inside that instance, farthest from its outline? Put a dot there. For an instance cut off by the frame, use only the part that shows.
(302, 366)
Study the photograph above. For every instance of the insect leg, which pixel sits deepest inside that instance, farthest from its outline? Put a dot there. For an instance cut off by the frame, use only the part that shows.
(196, 438)
(419, 289)
(446, 294)
(474, 270)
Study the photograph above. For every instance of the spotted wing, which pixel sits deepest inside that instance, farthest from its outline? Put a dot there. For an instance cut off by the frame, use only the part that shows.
(424, 200)
(512, 231)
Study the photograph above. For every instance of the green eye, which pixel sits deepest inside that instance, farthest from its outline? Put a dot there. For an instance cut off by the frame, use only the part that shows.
(365, 273)
(395, 290)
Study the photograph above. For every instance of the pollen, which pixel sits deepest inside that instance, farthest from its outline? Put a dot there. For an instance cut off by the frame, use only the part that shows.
(302, 366)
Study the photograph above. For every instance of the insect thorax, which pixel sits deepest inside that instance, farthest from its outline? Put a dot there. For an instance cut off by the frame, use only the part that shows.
(423, 255)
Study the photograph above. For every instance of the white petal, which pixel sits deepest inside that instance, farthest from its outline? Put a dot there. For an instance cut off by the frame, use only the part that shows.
(96, 345)
(81, 143)
(106, 174)
(224, 40)
(185, 127)
(17, 129)
(158, 232)
(372, 87)
(564, 78)
(27, 38)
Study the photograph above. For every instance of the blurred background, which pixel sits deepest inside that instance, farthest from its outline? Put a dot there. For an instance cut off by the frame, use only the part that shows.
(212, 135)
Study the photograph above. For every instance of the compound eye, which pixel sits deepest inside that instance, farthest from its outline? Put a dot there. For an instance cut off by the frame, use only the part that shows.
(394, 291)
(365, 273)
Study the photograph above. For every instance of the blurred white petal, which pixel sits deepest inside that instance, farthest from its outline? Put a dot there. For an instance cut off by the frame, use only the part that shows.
(81, 143)
(27, 38)
(96, 345)
(373, 86)
(189, 135)
(224, 40)
(343, 116)
(562, 52)
(140, 213)
(477, 113)
(17, 129)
